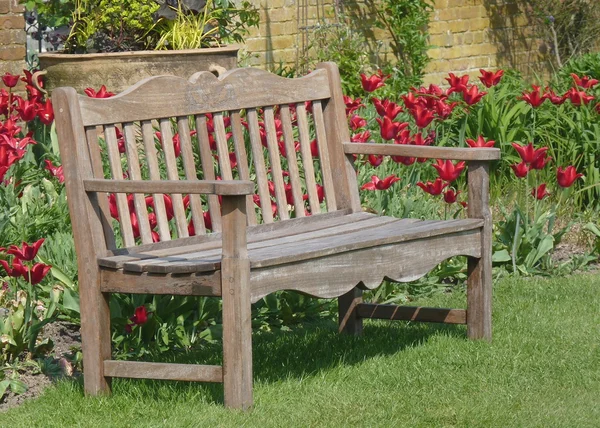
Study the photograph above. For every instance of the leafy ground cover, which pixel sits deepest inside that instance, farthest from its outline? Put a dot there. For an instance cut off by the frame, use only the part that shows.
(542, 369)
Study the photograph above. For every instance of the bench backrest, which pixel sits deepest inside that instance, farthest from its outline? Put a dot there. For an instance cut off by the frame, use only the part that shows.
(284, 134)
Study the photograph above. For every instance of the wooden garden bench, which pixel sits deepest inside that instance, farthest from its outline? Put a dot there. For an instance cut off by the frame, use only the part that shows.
(329, 249)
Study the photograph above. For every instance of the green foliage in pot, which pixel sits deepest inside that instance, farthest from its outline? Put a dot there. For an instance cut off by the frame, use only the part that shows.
(116, 26)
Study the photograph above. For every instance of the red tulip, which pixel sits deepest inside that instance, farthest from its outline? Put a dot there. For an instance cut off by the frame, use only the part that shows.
(423, 116)
(489, 78)
(540, 192)
(444, 110)
(535, 98)
(528, 153)
(520, 169)
(352, 105)
(37, 273)
(388, 129)
(447, 170)
(357, 122)
(375, 160)
(386, 108)
(480, 142)
(17, 270)
(541, 162)
(102, 93)
(450, 196)
(361, 137)
(27, 109)
(374, 82)
(379, 184)
(567, 177)
(434, 188)
(140, 315)
(457, 84)
(555, 99)
(26, 252)
(584, 82)
(10, 80)
(45, 112)
(56, 171)
(579, 97)
(410, 101)
(472, 95)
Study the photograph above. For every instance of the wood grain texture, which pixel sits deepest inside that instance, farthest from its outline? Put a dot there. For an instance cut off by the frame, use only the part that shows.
(152, 160)
(259, 166)
(349, 321)
(292, 160)
(133, 163)
(208, 255)
(214, 187)
(163, 371)
(323, 147)
(116, 170)
(208, 169)
(429, 152)
(89, 240)
(189, 167)
(307, 160)
(237, 322)
(166, 131)
(91, 135)
(275, 161)
(241, 88)
(479, 281)
(242, 160)
(412, 313)
(342, 166)
(116, 258)
(199, 284)
(337, 274)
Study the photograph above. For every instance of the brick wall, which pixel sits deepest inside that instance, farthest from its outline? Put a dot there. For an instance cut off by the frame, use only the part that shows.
(12, 37)
(471, 34)
(466, 34)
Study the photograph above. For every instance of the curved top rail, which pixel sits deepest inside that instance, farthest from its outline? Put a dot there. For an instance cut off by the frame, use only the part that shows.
(169, 96)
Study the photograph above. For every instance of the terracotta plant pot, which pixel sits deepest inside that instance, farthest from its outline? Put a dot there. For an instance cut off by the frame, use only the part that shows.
(119, 70)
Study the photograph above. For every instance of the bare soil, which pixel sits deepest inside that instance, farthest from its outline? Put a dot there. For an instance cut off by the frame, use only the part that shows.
(66, 337)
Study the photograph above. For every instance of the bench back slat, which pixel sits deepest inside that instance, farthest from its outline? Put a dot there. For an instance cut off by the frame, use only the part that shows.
(292, 161)
(241, 157)
(247, 124)
(154, 172)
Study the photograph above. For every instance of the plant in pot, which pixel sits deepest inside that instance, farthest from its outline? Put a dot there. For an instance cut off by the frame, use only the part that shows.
(118, 42)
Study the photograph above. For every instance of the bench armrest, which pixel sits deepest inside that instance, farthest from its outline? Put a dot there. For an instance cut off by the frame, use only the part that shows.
(210, 187)
(451, 153)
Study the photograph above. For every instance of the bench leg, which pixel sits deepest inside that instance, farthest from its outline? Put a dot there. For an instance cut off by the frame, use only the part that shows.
(95, 337)
(237, 334)
(479, 297)
(349, 321)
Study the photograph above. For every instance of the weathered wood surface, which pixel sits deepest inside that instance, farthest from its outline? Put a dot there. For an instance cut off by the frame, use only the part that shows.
(213, 187)
(241, 88)
(163, 371)
(212, 241)
(336, 251)
(90, 240)
(337, 274)
(237, 313)
(197, 284)
(430, 152)
(412, 313)
(479, 281)
(369, 233)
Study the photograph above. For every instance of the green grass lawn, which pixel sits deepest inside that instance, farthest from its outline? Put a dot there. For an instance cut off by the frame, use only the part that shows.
(541, 370)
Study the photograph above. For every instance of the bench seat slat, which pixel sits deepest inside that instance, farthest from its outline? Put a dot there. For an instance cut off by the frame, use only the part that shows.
(272, 250)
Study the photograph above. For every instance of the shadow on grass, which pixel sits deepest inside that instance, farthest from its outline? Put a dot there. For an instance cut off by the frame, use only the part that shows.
(292, 355)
